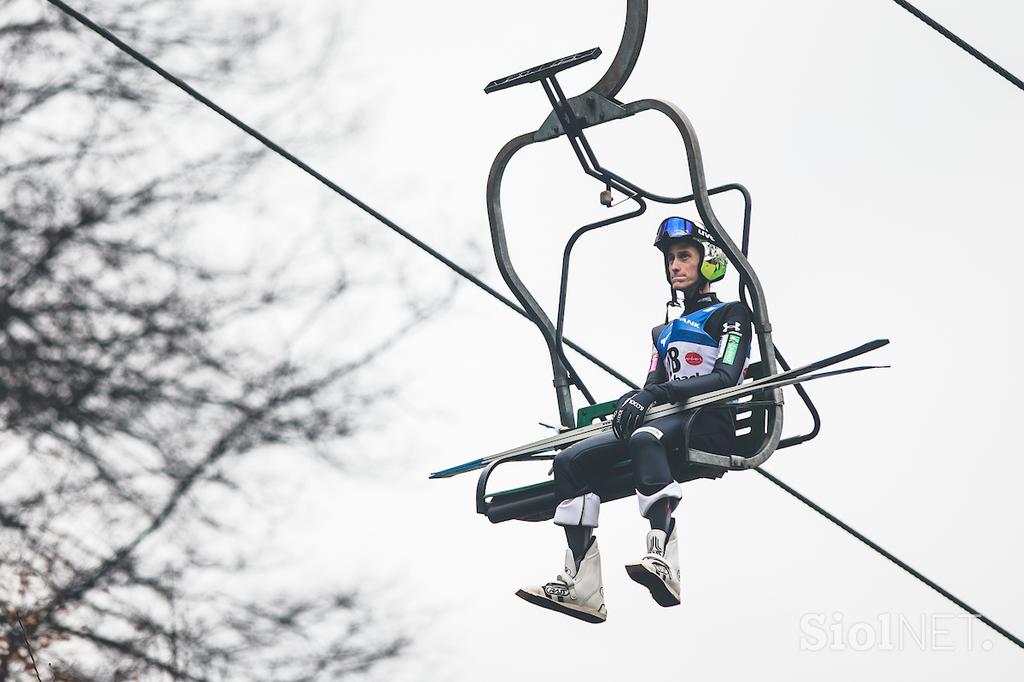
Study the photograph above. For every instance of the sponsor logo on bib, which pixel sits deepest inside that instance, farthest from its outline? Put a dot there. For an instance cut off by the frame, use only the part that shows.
(694, 358)
(695, 325)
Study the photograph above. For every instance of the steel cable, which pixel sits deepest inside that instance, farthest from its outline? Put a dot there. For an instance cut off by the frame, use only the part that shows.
(960, 42)
(323, 179)
(896, 560)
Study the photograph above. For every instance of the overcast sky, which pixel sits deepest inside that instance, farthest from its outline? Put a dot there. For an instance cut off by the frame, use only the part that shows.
(885, 166)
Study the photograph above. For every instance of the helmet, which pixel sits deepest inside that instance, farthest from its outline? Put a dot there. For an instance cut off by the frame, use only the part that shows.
(713, 261)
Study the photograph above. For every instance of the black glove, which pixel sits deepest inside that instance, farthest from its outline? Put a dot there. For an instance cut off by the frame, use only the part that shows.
(626, 396)
(630, 413)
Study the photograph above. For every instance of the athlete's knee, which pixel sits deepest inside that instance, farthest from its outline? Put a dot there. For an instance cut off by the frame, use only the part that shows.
(651, 469)
(564, 462)
(645, 435)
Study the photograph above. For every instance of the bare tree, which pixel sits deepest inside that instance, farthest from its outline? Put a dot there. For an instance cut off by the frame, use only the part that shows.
(130, 375)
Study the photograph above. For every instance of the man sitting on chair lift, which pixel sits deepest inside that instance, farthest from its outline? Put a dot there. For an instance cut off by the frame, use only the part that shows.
(704, 348)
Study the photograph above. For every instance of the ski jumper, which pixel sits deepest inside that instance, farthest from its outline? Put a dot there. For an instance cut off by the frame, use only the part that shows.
(706, 348)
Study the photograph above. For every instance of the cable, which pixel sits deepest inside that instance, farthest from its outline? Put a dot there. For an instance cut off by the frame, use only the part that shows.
(960, 42)
(888, 555)
(145, 61)
(330, 184)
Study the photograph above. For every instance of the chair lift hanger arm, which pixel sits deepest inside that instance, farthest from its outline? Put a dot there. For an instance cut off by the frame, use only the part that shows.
(511, 277)
(564, 285)
(618, 71)
(595, 108)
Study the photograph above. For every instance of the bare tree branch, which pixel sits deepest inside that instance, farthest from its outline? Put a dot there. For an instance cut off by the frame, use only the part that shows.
(131, 384)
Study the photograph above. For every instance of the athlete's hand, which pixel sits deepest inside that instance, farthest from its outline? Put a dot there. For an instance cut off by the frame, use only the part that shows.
(630, 413)
(618, 406)
(625, 396)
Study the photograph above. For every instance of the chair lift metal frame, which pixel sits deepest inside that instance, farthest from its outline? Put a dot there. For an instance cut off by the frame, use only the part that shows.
(760, 419)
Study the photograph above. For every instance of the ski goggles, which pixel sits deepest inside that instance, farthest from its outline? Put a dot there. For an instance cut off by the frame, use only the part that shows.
(676, 228)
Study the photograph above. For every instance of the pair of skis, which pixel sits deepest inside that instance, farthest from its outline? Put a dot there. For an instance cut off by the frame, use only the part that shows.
(794, 376)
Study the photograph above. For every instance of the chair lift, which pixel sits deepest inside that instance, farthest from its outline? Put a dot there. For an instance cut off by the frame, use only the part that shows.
(758, 403)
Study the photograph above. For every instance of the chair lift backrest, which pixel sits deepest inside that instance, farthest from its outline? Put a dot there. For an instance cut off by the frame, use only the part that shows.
(752, 424)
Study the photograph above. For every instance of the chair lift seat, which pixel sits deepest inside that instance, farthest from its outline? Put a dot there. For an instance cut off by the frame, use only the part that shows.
(537, 502)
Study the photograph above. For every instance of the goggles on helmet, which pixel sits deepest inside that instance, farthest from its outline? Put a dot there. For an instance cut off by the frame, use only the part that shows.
(678, 228)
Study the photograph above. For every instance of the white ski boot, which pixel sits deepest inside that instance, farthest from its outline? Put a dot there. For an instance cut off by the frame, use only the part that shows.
(576, 593)
(658, 571)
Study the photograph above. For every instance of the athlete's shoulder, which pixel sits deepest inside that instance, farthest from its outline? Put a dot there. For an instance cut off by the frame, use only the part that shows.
(731, 308)
(657, 330)
(731, 316)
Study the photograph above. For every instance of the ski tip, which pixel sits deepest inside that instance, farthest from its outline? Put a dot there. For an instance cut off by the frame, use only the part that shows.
(862, 349)
(451, 471)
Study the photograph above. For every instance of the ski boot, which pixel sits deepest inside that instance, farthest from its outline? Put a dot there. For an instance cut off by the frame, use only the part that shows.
(575, 592)
(658, 571)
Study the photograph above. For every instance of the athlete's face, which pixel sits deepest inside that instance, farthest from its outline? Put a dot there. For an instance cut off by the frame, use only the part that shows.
(683, 264)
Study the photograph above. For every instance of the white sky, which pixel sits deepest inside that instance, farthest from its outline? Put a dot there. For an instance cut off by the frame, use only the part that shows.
(885, 166)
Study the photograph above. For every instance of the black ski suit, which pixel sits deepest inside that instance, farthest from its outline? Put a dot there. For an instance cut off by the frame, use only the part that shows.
(579, 468)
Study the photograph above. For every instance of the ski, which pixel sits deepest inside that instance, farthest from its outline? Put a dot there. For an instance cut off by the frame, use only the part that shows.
(793, 376)
(568, 438)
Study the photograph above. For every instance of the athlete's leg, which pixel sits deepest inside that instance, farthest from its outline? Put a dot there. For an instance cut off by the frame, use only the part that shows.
(657, 492)
(578, 470)
(578, 591)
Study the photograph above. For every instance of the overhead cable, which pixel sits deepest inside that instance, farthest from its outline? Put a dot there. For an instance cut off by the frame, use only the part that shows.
(270, 144)
(960, 42)
(323, 179)
(896, 560)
